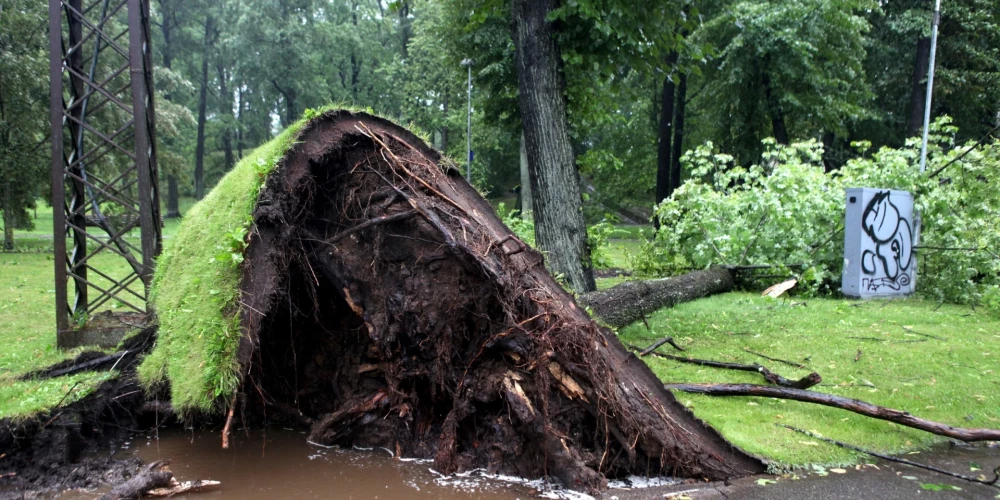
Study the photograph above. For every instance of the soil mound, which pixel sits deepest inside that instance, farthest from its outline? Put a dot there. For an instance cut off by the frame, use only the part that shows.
(381, 302)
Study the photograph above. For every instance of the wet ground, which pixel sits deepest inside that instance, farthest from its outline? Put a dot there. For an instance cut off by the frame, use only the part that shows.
(280, 464)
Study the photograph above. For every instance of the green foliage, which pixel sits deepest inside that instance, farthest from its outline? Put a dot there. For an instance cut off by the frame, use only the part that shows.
(598, 235)
(808, 54)
(24, 101)
(991, 299)
(786, 210)
(524, 228)
(598, 239)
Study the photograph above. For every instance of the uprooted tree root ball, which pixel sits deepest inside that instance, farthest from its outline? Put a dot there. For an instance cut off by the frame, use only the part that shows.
(383, 303)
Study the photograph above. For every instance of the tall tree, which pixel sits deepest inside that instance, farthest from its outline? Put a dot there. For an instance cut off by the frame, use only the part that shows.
(199, 155)
(169, 23)
(23, 112)
(664, 151)
(783, 69)
(561, 230)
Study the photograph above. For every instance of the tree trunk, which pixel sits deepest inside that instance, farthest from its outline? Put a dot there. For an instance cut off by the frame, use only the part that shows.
(918, 90)
(560, 231)
(226, 110)
(239, 122)
(631, 301)
(8, 217)
(829, 160)
(678, 145)
(774, 110)
(199, 151)
(444, 128)
(527, 202)
(173, 193)
(663, 151)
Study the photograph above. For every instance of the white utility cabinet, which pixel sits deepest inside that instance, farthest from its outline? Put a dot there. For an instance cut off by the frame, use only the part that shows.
(878, 243)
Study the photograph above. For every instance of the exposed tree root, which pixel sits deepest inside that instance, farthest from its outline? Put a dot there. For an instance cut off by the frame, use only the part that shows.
(854, 405)
(385, 304)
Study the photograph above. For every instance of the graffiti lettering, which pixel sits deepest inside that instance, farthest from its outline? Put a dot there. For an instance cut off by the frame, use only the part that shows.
(891, 236)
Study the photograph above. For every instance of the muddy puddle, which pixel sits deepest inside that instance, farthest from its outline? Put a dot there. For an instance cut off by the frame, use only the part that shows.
(281, 464)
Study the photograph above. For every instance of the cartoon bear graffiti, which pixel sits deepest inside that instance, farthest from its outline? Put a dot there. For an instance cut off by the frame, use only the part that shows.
(892, 237)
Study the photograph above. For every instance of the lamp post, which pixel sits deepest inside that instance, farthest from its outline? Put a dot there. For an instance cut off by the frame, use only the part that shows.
(468, 132)
(930, 84)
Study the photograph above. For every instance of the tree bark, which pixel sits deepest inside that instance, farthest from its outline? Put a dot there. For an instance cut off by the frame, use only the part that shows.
(663, 151)
(199, 151)
(226, 110)
(239, 122)
(678, 145)
(630, 301)
(560, 230)
(527, 202)
(857, 406)
(444, 127)
(173, 193)
(8, 217)
(774, 110)
(918, 89)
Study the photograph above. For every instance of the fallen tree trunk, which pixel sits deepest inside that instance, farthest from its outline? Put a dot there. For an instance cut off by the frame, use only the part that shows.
(384, 302)
(154, 475)
(854, 405)
(630, 301)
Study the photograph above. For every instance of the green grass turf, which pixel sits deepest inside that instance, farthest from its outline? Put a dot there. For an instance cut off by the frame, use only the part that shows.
(196, 287)
(27, 305)
(955, 381)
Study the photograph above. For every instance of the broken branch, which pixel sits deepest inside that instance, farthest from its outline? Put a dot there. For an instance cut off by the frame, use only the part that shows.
(776, 360)
(803, 383)
(854, 405)
(658, 343)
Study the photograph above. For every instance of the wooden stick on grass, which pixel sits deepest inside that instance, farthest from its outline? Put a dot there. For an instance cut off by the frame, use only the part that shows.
(776, 360)
(657, 344)
(857, 406)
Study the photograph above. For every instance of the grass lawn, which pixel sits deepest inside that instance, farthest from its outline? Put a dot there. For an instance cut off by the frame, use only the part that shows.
(27, 305)
(955, 381)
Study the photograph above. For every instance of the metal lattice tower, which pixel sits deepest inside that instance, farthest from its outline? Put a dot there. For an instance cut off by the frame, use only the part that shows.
(106, 208)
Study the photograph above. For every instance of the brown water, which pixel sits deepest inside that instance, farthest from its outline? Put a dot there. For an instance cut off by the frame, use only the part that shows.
(280, 464)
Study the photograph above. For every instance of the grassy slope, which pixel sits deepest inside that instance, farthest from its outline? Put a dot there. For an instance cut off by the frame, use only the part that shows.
(956, 381)
(196, 288)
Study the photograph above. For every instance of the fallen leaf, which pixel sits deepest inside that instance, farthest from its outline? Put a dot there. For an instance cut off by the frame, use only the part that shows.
(765, 482)
(838, 471)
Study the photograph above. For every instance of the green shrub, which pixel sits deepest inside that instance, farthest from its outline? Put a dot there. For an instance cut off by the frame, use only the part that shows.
(787, 210)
